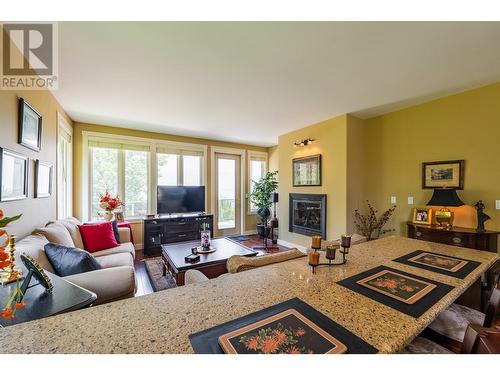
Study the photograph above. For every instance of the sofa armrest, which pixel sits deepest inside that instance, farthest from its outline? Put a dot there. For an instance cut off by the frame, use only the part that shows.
(124, 234)
(194, 277)
(109, 284)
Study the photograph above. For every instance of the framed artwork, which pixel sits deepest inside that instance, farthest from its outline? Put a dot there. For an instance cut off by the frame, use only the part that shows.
(439, 261)
(36, 271)
(307, 171)
(400, 287)
(422, 216)
(443, 174)
(119, 216)
(13, 175)
(288, 332)
(30, 126)
(43, 179)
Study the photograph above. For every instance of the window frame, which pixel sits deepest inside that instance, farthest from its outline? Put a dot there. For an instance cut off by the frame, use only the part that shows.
(180, 167)
(64, 128)
(254, 156)
(86, 204)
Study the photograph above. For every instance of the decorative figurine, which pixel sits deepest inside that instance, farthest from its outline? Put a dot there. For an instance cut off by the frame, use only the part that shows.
(205, 236)
(481, 216)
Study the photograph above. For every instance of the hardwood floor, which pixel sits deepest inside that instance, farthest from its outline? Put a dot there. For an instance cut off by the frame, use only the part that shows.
(144, 284)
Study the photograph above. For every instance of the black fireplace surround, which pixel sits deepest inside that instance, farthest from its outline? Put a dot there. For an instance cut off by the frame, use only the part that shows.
(307, 214)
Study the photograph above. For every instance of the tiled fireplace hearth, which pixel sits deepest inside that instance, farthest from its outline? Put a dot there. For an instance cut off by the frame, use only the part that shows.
(307, 214)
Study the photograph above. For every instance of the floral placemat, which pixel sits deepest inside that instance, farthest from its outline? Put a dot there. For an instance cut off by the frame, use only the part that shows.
(290, 327)
(410, 294)
(439, 263)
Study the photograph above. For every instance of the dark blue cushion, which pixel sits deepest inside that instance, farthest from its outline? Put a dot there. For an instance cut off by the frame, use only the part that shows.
(70, 261)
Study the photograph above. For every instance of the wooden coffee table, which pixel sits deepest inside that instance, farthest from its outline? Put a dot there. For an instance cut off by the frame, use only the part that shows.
(211, 265)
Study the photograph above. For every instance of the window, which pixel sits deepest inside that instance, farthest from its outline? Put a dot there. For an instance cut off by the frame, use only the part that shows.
(104, 170)
(131, 167)
(178, 169)
(136, 183)
(121, 169)
(168, 169)
(257, 163)
(64, 169)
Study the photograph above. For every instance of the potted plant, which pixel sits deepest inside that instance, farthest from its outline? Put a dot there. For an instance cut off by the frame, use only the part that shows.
(259, 196)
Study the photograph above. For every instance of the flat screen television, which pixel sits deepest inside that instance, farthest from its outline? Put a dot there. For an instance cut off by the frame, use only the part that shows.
(180, 199)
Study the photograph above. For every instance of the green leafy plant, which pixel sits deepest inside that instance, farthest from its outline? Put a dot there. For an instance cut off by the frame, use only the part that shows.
(371, 226)
(261, 191)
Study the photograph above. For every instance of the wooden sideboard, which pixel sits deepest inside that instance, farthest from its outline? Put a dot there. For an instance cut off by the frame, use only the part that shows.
(173, 228)
(474, 297)
(456, 236)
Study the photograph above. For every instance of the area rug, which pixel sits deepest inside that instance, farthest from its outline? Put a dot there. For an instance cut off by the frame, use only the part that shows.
(154, 268)
(239, 238)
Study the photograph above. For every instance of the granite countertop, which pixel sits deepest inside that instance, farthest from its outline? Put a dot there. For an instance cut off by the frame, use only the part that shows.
(161, 322)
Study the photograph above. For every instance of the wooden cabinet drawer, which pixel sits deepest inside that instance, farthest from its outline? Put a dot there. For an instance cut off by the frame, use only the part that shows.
(179, 237)
(181, 227)
(462, 237)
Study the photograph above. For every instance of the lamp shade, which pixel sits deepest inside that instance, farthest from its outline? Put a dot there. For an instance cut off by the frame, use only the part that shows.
(445, 197)
(273, 197)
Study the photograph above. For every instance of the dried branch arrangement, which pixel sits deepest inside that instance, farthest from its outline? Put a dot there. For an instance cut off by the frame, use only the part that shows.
(369, 225)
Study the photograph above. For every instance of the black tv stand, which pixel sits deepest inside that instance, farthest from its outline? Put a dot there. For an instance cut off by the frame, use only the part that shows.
(166, 229)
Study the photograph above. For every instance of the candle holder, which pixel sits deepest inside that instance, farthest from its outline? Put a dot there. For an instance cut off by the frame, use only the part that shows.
(331, 254)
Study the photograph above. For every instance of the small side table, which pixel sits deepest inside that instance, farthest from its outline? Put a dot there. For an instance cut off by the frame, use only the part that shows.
(65, 297)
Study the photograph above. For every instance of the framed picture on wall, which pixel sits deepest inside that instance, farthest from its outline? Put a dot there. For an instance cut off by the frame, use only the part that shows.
(43, 179)
(307, 171)
(13, 175)
(422, 216)
(443, 174)
(30, 126)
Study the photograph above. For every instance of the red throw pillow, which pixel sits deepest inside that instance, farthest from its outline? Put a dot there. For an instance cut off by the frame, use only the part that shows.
(98, 237)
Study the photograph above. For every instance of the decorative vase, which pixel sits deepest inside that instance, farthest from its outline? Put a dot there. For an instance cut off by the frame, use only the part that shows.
(108, 215)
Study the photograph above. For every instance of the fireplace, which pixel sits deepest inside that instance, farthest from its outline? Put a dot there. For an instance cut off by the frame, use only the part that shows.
(307, 214)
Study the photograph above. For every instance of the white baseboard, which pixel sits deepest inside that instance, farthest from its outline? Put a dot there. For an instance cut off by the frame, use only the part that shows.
(292, 245)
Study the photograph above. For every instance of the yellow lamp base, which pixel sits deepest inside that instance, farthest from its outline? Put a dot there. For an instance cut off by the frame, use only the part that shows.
(444, 218)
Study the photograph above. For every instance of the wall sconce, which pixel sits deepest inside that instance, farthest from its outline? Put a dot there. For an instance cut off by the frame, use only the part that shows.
(305, 142)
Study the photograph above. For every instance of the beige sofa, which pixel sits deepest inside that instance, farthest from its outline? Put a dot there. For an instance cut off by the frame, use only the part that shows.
(116, 280)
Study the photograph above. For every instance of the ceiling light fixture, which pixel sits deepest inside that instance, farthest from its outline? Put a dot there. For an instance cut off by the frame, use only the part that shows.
(305, 142)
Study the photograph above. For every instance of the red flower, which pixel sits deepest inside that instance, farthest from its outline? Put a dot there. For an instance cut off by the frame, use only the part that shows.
(300, 332)
(279, 336)
(293, 350)
(20, 305)
(252, 343)
(5, 264)
(7, 313)
(269, 345)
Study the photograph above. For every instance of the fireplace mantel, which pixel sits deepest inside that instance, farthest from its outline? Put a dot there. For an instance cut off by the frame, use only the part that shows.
(307, 214)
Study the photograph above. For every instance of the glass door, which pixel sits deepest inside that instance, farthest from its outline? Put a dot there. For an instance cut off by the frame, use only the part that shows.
(228, 197)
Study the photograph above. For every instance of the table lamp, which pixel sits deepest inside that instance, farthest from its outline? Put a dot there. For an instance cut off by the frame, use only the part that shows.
(445, 198)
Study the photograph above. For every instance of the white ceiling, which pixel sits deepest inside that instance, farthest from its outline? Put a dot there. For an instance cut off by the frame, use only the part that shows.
(250, 82)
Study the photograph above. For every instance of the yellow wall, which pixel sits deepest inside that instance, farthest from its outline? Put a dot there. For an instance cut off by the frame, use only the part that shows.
(36, 212)
(463, 126)
(250, 220)
(356, 169)
(273, 158)
(330, 141)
